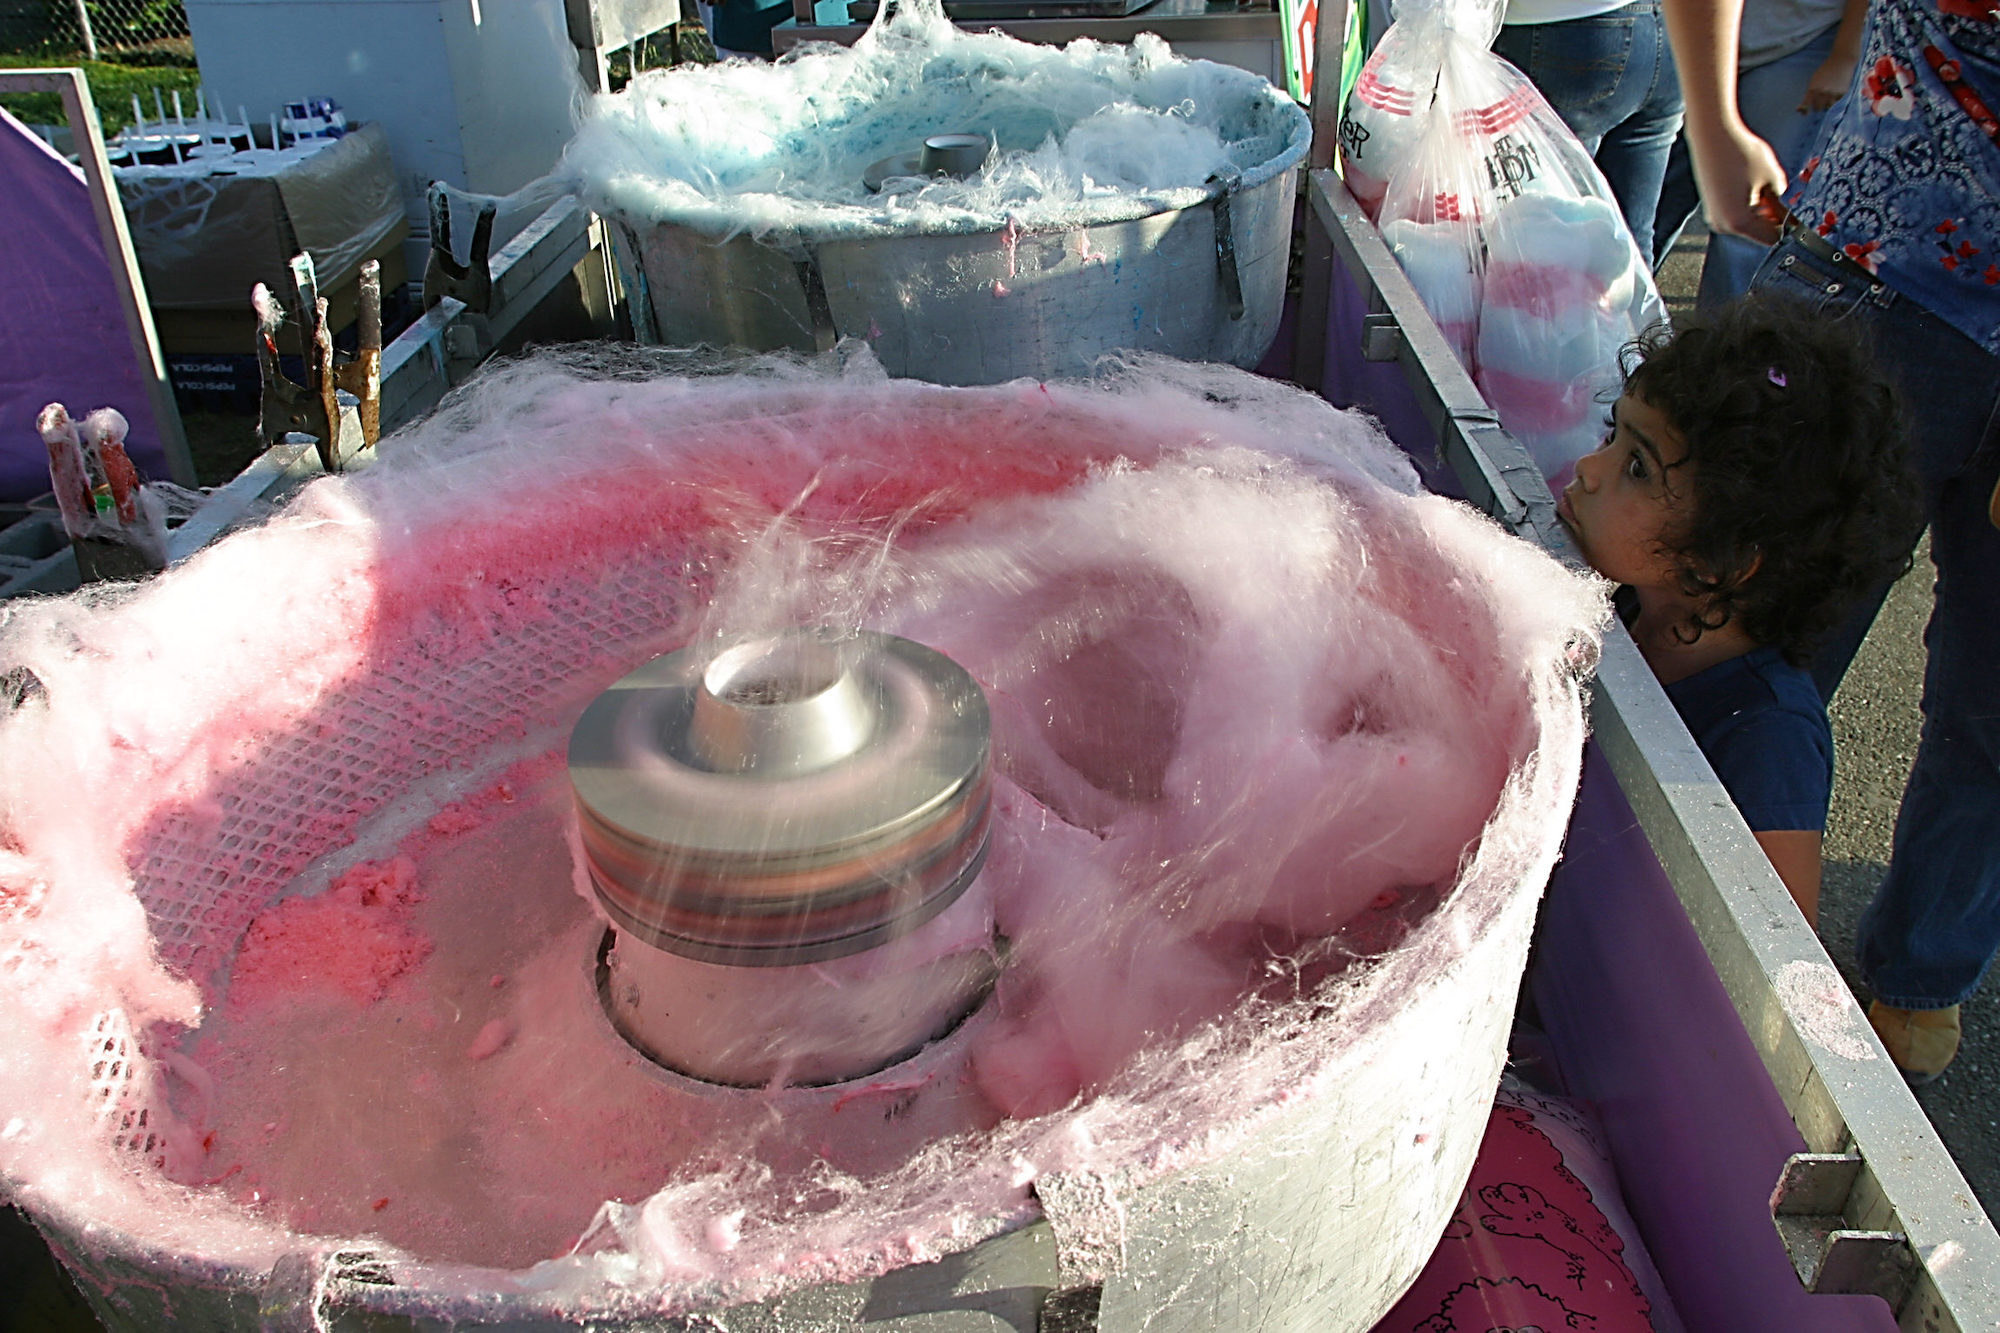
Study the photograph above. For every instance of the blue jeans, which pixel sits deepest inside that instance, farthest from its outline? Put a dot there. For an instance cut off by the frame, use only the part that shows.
(1934, 926)
(1611, 78)
(1768, 96)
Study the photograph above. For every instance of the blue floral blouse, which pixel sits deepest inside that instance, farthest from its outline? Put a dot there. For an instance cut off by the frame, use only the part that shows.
(1906, 176)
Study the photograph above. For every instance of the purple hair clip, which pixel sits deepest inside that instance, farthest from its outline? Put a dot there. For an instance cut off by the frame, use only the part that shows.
(1776, 376)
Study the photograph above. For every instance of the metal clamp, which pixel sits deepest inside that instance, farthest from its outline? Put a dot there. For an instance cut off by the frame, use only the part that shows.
(1381, 338)
(314, 408)
(1226, 270)
(1810, 1205)
(472, 281)
(819, 310)
(296, 1292)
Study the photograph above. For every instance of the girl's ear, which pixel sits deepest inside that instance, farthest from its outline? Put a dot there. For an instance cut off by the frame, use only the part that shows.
(1718, 585)
(1713, 594)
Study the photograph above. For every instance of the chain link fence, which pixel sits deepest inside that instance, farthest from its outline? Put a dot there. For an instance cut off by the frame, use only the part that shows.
(93, 29)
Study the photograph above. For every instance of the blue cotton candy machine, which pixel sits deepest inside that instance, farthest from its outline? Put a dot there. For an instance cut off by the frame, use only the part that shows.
(1095, 198)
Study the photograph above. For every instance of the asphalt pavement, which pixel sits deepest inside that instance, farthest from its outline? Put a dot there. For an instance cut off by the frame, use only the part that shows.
(1875, 726)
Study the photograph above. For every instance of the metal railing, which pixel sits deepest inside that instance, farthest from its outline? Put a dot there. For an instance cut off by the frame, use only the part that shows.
(1874, 1204)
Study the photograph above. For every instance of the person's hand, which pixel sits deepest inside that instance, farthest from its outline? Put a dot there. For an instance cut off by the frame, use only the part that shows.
(1736, 174)
(1828, 84)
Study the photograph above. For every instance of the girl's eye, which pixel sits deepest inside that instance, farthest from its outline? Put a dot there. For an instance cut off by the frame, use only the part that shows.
(1635, 466)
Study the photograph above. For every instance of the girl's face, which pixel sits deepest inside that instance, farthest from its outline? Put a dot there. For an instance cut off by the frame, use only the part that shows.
(1631, 497)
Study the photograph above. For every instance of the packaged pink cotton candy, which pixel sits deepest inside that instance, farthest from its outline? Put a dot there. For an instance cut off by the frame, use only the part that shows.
(1503, 223)
(1390, 110)
(1564, 292)
(97, 488)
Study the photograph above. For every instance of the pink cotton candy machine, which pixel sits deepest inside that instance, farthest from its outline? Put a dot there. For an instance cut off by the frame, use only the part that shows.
(786, 849)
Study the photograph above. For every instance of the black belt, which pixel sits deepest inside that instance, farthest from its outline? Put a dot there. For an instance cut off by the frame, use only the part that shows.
(1818, 247)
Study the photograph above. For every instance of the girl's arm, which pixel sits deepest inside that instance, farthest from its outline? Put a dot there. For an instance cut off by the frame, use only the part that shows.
(1795, 855)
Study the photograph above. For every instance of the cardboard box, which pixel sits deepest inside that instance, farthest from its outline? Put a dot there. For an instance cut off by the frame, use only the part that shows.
(206, 235)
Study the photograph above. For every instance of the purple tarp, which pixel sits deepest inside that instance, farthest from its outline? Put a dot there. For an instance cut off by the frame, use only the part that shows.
(62, 329)
(1645, 1032)
(1640, 1024)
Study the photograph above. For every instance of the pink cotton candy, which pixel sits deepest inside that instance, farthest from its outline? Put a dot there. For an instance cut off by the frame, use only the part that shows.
(1547, 291)
(453, 820)
(353, 940)
(1228, 652)
(1541, 405)
(490, 1039)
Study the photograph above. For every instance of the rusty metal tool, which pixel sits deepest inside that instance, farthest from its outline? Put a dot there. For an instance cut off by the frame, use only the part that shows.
(313, 408)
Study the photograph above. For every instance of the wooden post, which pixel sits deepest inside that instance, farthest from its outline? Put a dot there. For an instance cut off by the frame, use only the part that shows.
(1329, 60)
(88, 140)
(83, 26)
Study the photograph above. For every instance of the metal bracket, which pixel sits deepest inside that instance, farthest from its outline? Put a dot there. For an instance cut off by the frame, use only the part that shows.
(818, 308)
(472, 281)
(1810, 1206)
(1381, 338)
(300, 1285)
(627, 263)
(1072, 1310)
(1227, 272)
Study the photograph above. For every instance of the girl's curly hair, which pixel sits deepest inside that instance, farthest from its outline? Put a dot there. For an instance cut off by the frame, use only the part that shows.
(1803, 494)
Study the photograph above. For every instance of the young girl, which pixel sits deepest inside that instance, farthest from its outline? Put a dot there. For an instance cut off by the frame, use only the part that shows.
(1753, 485)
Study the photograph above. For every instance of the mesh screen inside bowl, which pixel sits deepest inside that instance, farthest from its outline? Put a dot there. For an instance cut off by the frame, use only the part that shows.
(308, 695)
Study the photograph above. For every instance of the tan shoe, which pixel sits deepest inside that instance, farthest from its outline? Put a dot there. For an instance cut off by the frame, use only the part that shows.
(1922, 1042)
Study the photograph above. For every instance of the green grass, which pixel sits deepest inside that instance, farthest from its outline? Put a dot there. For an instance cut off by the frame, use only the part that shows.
(111, 87)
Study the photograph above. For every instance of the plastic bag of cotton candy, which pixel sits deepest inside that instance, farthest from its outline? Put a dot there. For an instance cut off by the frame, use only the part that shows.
(302, 986)
(1507, 229)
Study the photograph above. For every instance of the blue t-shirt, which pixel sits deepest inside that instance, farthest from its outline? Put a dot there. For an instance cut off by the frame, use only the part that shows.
(1760, 721)
(1906, 175)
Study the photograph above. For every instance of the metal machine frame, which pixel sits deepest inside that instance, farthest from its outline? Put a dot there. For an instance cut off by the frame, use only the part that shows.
(1875, 1204)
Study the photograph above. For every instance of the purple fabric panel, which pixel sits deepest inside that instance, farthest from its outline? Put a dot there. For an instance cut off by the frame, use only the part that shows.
(1376, 387)
(1644, 1030)
(1277, 363)
(62, 330)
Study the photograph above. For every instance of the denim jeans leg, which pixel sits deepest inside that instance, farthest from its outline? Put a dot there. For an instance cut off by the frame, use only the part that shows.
(1577, 65)
(1611, 79)
(1934, 925)
(1678, 200)
(1633, 156)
